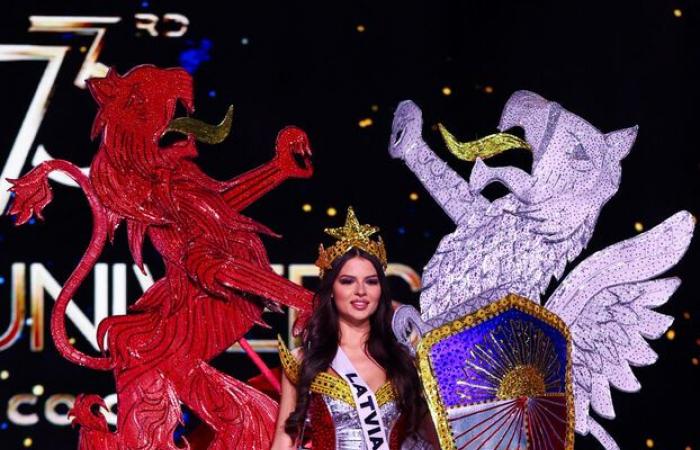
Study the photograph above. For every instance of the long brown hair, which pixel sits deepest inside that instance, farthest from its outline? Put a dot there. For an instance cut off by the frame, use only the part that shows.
(320, 344)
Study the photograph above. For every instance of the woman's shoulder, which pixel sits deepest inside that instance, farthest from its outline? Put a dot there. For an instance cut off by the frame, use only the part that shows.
(298, 354)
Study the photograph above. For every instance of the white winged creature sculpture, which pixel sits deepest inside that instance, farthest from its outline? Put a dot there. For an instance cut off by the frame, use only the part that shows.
(516, 244)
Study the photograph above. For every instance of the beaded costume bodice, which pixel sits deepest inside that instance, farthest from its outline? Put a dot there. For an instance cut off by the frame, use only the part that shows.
(348, 434)
(335, 421)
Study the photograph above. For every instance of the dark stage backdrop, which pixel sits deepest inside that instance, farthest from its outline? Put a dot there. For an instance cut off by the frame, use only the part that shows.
(337, 70)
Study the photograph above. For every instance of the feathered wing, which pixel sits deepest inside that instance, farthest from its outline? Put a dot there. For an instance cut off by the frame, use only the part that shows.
(607, 303)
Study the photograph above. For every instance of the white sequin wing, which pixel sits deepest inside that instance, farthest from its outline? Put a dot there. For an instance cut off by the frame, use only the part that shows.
(607, 303)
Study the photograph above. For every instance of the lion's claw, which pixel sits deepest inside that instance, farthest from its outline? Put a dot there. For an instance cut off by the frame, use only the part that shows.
(294, 152)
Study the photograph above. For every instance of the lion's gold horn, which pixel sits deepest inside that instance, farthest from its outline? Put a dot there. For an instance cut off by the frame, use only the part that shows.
(203, 132)
(483, 148)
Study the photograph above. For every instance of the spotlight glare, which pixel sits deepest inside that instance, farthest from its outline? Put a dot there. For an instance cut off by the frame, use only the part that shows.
(650, 443)
(306, 207)
(677, 12)
(4, 375)
(446, 91)
(27, 442)
(670, 335)
(413, 196)
(638, 227)
(38, 390)
(331, 211)
(364, 123)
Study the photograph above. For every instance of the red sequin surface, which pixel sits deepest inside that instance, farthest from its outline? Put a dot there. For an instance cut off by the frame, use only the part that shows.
(322, 427)
(217, 274)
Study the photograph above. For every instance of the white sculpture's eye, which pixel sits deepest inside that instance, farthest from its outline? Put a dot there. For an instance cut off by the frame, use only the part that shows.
(399, 135)
(579, 159)
(579, 153)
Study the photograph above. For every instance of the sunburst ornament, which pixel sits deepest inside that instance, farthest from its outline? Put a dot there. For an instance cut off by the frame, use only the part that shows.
(352, 234)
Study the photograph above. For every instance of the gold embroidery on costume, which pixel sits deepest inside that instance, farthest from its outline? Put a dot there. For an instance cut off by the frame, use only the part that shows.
(385, 394)
(326, 383)
(290, 365)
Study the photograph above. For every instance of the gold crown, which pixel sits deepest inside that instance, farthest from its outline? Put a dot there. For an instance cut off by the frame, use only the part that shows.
(350, 235)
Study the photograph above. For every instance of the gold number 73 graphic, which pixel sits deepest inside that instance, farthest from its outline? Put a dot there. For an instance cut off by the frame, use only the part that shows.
(54, 55)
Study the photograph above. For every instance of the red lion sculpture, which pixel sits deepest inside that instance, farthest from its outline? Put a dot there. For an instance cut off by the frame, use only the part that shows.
(217, 275)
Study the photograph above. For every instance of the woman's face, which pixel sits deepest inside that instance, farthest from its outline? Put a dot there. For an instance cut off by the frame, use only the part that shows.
(356, 290)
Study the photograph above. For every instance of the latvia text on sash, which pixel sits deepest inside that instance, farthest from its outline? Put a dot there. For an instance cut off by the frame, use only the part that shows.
(373, 431)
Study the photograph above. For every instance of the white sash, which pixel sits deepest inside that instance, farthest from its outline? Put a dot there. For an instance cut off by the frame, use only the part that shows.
(365, 403)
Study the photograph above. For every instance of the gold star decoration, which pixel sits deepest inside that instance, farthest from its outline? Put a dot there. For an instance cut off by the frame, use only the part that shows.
(351, 235)
(352, 230)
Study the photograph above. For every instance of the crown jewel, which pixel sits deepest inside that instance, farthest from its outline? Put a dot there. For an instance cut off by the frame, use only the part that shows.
(352, 234)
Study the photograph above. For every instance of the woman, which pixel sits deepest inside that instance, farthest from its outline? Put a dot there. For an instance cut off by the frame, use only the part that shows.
(356, 386)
